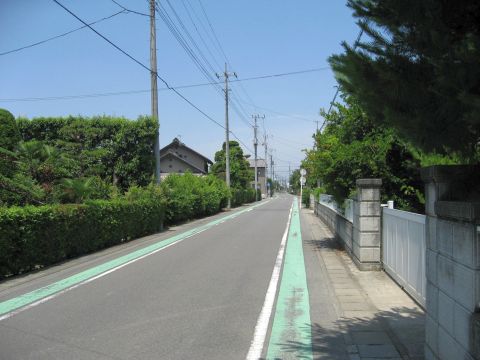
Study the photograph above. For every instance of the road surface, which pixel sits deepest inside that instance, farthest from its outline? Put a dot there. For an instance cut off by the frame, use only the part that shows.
(203, 290)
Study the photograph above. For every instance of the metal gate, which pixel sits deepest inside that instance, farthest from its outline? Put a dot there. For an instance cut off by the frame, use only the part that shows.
(403, 250)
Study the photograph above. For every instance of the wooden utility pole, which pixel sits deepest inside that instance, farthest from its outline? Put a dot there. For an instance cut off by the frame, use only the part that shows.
(255, 144)
(265, 145)
(226, 75)
(154, 92)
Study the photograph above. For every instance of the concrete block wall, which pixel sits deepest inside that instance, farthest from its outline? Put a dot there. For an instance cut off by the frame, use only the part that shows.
(367, 224)
(340, 226)
(452, 267)
(362, 237)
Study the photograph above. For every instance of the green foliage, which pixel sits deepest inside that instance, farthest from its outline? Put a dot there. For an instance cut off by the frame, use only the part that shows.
(33, 237)
(77, 191)
(20, 189)
(189, 196)
(240, 173)
(117, 150)
(317, 191)
(9, 135)
(242, 196)
(352, 147)
(417, 71)
(295, 181)
(306, 196)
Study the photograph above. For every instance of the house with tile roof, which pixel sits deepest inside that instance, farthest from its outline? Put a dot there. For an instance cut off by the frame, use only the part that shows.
(178, 158)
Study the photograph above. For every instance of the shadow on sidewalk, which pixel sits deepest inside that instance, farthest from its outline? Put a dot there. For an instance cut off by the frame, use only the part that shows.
(365, 337)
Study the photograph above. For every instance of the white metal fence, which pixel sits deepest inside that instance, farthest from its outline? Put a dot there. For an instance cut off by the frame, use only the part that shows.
(403, 242)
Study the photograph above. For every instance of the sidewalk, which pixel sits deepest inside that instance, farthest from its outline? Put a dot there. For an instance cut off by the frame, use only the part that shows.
(354, 314)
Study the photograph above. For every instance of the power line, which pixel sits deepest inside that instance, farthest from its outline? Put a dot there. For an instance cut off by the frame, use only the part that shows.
(128, 92)
(129, 10)
(124, 11)
(185, 44)
(147, 68)
(217, 41)
(338, 88)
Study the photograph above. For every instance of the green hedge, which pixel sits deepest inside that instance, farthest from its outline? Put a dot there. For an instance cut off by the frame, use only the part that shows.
(37, 236)
(306, 196)
(242, 196)
(189, 196)
(33, 237)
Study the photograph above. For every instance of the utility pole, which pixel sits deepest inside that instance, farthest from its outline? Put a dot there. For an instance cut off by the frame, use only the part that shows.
(272, 174)
(154, 92)
(265, 145)
(255, 143)
(226, 75)
(289, 175)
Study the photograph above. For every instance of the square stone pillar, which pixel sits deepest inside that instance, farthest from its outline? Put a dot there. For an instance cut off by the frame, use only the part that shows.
(367, 225)
(452, 262)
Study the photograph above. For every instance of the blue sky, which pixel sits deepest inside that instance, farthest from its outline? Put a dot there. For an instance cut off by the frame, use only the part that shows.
(259, 37)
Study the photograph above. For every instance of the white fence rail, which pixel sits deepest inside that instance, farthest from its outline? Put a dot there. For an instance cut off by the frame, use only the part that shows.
(403, 242)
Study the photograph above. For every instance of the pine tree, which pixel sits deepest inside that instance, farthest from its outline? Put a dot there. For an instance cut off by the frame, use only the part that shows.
(418, 70)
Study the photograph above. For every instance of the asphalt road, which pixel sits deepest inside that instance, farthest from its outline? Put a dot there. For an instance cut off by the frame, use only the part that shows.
(200, 298)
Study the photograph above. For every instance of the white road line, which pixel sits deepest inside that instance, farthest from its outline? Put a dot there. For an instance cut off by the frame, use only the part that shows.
(61, 292)
(261, 328)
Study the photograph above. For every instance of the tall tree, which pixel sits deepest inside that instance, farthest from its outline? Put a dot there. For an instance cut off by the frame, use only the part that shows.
(295, 181)
(353, 147)
(240, 173)
(418, 70)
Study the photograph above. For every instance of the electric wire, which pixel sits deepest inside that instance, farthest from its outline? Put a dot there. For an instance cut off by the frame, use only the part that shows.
(80, 96)
(141, 64)
(357, 41)
(147, 68)
(184, 43)
(124, 11)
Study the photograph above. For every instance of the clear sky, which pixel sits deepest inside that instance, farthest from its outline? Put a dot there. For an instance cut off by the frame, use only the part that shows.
(259, 37)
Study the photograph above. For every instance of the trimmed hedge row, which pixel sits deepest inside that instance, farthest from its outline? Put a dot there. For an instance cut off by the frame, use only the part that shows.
(189, 196)
(33, 237)
(242, 196)
(36, 236)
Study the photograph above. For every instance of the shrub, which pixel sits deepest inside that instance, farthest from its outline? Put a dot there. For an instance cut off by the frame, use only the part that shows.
(242, 196)
(306, 196)
(9, 134)
(189, 196)
(32, 237)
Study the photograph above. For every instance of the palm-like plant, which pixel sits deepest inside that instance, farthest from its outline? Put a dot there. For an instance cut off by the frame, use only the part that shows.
(77, 190)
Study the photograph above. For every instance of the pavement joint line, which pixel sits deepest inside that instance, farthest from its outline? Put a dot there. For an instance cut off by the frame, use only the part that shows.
(261, 328)
(36, 297)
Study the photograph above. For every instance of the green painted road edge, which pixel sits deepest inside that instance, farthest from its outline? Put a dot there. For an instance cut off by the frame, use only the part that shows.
(49, 290)
(291, 336)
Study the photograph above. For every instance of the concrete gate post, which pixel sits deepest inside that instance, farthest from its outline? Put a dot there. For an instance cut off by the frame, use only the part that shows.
(452, 262)
(367, 225)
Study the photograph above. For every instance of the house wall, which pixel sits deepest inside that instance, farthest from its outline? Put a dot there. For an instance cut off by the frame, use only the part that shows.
(170, 164)
(191, 157)
(261, 179)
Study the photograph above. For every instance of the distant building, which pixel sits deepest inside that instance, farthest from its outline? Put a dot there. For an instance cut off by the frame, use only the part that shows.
(178, 158)
(261, 174)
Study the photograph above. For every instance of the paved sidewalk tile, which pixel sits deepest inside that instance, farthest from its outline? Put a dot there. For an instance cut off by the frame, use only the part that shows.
(373, 317)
